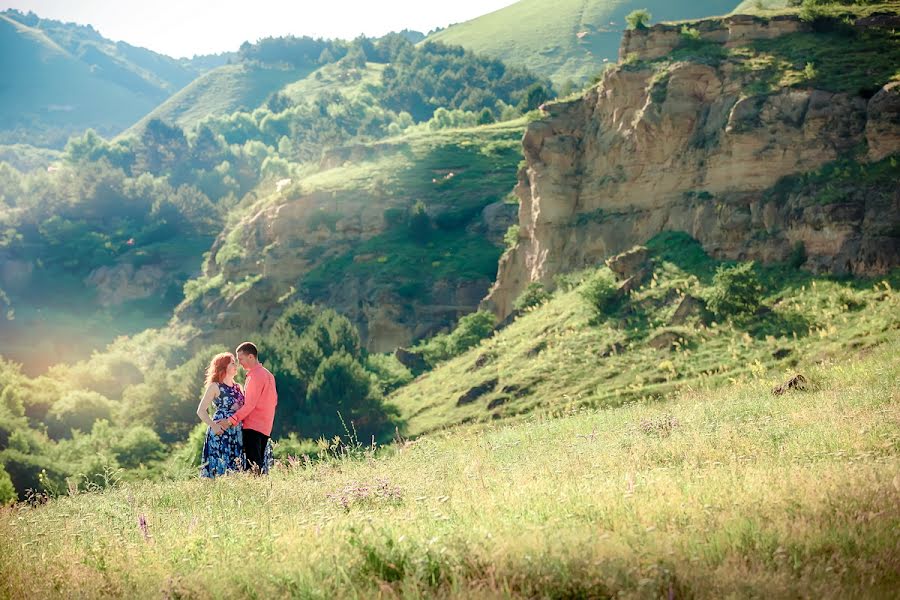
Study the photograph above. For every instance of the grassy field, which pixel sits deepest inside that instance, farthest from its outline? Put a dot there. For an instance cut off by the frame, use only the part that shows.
(567, 39)
(730, 492)
(557, 356)
(222, 91)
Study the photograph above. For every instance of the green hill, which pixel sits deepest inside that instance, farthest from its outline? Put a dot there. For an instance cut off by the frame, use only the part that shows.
(568, 39)
(560, 356)
(704, 494)
(62, 78)
(222, 91)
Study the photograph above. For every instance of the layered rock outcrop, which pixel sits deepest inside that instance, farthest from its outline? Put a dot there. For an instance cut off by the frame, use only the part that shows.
(685, 147)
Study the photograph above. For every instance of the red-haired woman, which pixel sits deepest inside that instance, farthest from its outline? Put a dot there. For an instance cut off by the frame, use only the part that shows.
(224, 448)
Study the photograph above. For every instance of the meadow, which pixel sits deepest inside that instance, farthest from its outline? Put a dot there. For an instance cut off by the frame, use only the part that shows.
(734, 492)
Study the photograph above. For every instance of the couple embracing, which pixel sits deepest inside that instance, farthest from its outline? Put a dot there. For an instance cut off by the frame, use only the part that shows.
(237, 437)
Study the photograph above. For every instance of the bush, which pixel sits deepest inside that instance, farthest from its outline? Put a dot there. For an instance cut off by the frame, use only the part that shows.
(600, 292)
(511, 237)
(389, 372)
(638, 19)
(7, 490)
(736, 291)
(534, 295)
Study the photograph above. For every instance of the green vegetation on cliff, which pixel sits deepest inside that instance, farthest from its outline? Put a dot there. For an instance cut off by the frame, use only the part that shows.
(652, 343)
(566, 40)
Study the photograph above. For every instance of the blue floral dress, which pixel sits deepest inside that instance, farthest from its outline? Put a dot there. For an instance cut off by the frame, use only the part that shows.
(224, 453)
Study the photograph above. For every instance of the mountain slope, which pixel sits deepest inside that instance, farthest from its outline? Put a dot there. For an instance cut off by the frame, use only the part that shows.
(62, 78)
(401, 236)
(659, 340)
(222, 91)
(566, 39)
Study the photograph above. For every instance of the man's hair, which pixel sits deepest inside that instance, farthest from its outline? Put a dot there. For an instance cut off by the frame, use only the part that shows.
(247, 348)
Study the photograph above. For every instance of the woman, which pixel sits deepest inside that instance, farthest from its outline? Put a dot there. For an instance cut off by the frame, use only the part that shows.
(224, 448)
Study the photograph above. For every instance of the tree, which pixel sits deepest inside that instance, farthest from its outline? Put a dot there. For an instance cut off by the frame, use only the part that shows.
(638, 19)
(78, 409)
(342, 387)
(535, 95)
(534, 295)
(736, 291)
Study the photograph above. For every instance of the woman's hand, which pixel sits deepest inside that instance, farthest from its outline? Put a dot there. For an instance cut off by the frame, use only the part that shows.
(216, 428)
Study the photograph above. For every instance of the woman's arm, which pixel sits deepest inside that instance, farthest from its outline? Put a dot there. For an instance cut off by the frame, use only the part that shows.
(203, 408)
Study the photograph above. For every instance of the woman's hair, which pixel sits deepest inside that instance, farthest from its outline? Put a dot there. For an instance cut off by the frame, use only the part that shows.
(215, 372)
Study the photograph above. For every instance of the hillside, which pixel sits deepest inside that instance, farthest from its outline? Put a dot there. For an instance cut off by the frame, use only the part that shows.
(346, 236)
(63, 78)
(567, 40)
(222, 91)
(657, 341)
(732, 492)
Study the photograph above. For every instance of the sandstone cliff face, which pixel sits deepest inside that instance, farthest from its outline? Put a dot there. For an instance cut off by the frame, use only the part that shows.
(686, 148)
(345, 237)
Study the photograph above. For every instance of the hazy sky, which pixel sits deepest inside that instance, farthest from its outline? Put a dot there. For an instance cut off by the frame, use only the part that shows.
(187, 27)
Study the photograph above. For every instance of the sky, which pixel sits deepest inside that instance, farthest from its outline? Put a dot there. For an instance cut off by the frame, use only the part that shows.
(188, 27)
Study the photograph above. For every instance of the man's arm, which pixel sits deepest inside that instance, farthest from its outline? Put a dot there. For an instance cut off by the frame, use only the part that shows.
(252, 394)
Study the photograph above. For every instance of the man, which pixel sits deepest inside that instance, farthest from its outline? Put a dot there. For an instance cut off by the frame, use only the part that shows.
(258, 412)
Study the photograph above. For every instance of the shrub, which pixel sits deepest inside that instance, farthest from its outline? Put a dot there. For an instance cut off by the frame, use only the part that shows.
(534, 295)
(736, 291)
(638, 19)
(600, 292)
(7, 491)
(511, 237)
(389, 372)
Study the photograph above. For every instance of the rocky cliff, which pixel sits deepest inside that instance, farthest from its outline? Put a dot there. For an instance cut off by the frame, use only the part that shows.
(720, 130)
(342, 238)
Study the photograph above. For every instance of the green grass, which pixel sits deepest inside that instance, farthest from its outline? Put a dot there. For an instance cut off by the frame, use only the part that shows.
(223, 91)
(543, 37)
(730, 492)
(334, 78)
(835, 57)
(553, 356)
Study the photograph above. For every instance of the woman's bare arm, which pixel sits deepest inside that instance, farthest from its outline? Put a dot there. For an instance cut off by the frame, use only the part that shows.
(203, 408)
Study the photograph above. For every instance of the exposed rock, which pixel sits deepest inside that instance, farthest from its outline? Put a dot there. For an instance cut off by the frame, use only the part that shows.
(883, 124)
(688, 308)
(536, 349)
(482, 360)
(516, 390)
(612, 349)
(123, 282)
(477, 392)
(634, 263)
(622, 164)
(666, 340)
(797, 382)
(497, 402)
(413, 361)
(496, 219)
